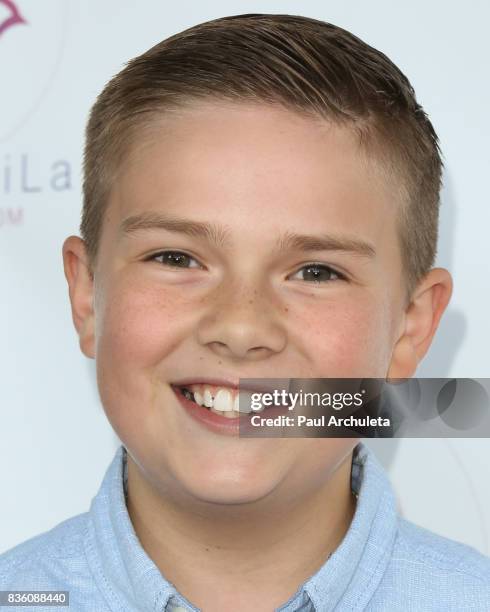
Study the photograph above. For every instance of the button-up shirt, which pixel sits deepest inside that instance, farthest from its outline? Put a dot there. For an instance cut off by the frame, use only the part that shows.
(383, 564)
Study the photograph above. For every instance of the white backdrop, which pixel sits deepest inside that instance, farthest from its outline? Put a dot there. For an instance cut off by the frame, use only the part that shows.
(55, 442)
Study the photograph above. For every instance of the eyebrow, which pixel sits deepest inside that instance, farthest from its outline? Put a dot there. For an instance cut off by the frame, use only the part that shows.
(157, 221)
(220, 236)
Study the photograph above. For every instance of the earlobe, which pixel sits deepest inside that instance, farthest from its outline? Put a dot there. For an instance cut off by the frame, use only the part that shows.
(403, 360)
(422, 316)
(80, 288)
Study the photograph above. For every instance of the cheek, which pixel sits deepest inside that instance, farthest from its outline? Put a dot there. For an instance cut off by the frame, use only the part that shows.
(351, 338)
(136, 328)
(139, 326)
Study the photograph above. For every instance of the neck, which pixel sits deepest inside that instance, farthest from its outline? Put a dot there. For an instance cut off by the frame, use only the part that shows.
(266, 550)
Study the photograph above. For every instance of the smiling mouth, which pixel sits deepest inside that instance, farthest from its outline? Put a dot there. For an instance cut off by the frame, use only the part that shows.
(221, 401)
(224, 401)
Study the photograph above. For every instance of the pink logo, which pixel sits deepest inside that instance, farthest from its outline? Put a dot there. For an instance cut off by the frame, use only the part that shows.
(14, 17)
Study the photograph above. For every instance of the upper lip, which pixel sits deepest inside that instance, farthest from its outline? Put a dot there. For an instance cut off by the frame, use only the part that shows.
(264, 387)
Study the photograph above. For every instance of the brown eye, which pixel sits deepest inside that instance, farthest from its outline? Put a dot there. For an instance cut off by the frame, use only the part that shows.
(174, 259)
(319, 273)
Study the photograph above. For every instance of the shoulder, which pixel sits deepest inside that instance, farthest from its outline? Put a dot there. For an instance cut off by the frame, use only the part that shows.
(47, 559)
(430, 572)
(437, 551)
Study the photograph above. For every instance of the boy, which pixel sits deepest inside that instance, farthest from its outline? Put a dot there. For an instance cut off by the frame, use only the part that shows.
(260, 200)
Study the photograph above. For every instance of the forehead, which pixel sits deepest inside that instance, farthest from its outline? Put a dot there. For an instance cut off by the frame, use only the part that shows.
(253, 163)
(259, 140)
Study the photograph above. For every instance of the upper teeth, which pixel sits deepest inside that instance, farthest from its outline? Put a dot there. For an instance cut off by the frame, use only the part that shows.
(220, 398)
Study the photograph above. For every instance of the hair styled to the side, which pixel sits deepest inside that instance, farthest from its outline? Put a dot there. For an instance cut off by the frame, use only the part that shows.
(302, 64)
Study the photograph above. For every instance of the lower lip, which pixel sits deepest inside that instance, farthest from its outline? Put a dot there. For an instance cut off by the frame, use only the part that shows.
(217, 423)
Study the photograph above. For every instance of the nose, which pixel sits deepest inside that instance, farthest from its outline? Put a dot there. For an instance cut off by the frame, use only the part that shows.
(242, 322)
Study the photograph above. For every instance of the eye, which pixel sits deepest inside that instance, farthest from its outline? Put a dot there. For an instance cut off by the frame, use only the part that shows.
(173, 259)
(319, 273)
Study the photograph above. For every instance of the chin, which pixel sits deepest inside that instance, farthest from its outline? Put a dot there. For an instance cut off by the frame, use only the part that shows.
(227, 497)
(226, 488)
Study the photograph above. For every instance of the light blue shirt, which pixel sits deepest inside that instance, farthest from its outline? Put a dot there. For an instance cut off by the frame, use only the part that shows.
(383, 564)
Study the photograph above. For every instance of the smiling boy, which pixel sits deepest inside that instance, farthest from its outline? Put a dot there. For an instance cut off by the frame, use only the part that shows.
(260, 200)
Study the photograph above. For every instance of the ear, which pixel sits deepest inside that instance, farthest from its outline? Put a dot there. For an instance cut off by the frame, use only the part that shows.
(422, 316)
(80, 287)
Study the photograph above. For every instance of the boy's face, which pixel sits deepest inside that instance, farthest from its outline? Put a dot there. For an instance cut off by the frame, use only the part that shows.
(245, 308)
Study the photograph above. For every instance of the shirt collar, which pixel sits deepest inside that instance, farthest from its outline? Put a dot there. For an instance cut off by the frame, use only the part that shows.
(355, 569)
(125, 574)
(129, 578)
